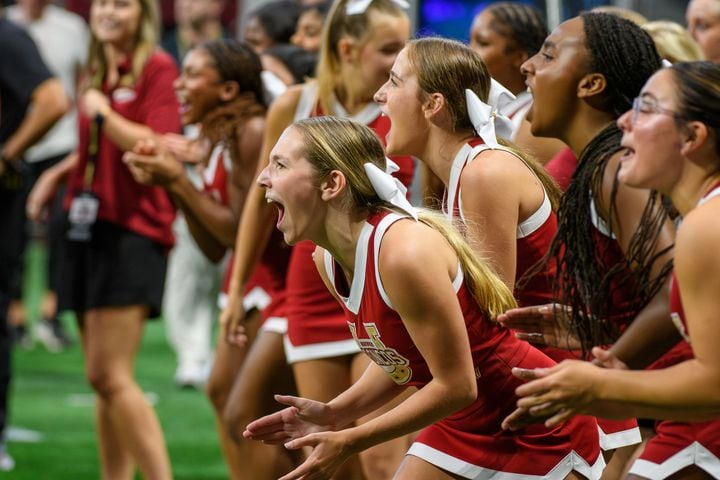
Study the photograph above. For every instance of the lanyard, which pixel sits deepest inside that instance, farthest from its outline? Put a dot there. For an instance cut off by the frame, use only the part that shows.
(93, 148)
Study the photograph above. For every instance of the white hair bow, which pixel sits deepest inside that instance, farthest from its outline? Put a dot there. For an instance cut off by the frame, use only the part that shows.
(486, 117)
(355, 7)
(389, 188)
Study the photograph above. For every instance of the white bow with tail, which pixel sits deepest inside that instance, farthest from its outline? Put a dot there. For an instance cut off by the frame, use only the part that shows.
(356, 7)
(486, 117)
(389, 188)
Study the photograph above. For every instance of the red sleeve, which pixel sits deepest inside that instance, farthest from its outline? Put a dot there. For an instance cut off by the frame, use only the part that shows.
(159, 107)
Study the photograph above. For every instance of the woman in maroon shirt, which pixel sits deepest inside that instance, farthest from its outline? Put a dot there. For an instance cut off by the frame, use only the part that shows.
(119, 231)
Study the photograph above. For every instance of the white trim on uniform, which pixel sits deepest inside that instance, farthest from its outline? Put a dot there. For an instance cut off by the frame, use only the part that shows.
(598, 222)
(614, 440)
(571, 462)
(275, 325)
(467, 154)
(693, 454)
(315, 351)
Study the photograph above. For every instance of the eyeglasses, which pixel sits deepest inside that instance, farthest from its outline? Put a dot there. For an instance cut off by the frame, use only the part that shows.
(647, 106)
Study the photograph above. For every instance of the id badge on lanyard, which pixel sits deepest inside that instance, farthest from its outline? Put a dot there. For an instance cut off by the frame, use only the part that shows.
(84, 207)
(83, 213)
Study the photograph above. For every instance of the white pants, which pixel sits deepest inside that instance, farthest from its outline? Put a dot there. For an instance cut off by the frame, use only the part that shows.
(190, 300)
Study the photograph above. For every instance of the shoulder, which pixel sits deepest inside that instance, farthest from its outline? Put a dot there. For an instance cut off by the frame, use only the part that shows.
(494, 172)
(282, 111)
(288, 101)
(159, 62)
(408, 244)
(253, 127)
(250, 134)
(495, 164)
(698, 237)
(12, 32)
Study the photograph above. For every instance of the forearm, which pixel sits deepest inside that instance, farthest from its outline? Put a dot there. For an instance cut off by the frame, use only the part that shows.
(688, 391)
(428, 405)
(208, 245)
(124, 133)
(217, 220)
(61, 170)
(650, 334)
(48, 106)
(253, 233)
(372, 390)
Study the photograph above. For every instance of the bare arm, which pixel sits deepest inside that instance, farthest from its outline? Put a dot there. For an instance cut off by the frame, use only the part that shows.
(423, 296)
(218, 220)
(44, 189)
(493, 187)
(256, 220)
(651, 333)
(687, 391)
(49, 103)
(123, 133)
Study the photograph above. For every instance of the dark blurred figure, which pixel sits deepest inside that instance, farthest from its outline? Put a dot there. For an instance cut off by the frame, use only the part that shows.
(271, 24)
(196, 22)
(31, 101)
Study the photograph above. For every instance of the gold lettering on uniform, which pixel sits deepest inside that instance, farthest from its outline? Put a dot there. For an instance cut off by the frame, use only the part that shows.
(397, 366)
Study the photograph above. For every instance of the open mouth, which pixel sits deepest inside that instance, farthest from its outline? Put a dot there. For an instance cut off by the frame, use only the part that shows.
(281, 211)
(627, 153)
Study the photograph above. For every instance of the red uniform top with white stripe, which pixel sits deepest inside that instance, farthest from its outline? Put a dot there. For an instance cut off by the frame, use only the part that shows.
(534, 235)
(265, 290)
(679, 444)
(316, 323)
(471, 440)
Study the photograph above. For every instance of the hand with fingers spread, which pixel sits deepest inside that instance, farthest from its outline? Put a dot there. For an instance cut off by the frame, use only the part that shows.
(305, 423)
(301, 418)
(329, 452)
(541, 325)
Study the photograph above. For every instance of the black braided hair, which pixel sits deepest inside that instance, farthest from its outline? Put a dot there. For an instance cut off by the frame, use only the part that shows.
(626, 56)
(523, 24)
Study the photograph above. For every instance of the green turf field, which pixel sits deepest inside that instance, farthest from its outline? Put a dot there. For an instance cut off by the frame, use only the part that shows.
(50, 397)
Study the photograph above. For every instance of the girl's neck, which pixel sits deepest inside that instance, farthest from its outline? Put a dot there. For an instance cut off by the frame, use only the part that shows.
(584, 129)
(351, 96)
(340, 238)
(114, 56)
(687, 194)
(441, 150)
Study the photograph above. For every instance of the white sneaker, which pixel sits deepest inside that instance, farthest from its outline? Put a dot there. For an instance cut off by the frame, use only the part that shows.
(191, 375)
(6, 462)
(51, 334)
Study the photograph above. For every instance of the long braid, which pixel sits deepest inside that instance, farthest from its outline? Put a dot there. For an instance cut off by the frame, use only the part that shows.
(626, 56)
(524, 24)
